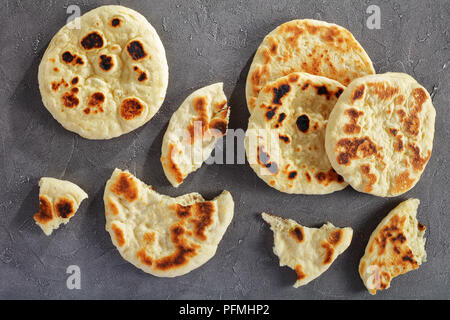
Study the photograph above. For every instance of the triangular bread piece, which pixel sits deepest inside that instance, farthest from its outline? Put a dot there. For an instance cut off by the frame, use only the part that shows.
(395, 247)
(58, 202)
(308, 251)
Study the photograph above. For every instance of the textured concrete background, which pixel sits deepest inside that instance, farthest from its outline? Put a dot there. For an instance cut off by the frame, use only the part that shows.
(206, 41)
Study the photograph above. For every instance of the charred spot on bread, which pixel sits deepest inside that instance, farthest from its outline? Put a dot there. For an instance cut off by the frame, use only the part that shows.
(92, 40)
(298, 234)
(280, 92)
(125, 186)
(70, 100)
(303, 123)
(115, 22)
(106, 62)
(64, 208)
(136, 50)
(45, 213)
(131, 108)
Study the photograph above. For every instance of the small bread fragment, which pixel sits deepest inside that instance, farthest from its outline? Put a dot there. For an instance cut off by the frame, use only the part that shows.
(193, 131)
(308, 251)
(161, 235)
(396, 247)
(58, 202)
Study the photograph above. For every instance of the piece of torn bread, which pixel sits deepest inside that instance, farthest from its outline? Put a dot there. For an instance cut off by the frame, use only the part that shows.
(58, 202)
(193, 131)
(395, 247)
(161, 235)
(308, 251)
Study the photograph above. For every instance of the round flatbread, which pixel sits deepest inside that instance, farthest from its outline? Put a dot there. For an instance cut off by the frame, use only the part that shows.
(107, 77)
(395, 247)
(163, 236)
(308, 251)
(193, 131)
(286, 134)
(380, 133)
(58, 202)
(310, 46)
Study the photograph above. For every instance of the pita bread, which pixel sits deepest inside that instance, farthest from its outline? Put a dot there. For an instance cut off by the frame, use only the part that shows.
(308, 251)
(106, 78)
(192, 132)
(395, 247)
(311, 46)
(285, 141)
(380, 134)
(58, 202)
(163, 236)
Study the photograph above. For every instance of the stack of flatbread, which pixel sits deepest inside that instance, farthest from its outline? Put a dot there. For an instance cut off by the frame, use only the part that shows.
(320, 119)
(297, 75)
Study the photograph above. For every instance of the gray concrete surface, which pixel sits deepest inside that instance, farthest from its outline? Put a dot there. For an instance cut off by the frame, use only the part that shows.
(206, 41)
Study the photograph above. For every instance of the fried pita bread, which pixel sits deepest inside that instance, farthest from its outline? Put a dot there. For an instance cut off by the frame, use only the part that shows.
(396, 247)
(380, 134)
(192, 132)
(311, 46)
(163, 236)
(308, 251)
(285, 141)
(107, 77)
(58, 202)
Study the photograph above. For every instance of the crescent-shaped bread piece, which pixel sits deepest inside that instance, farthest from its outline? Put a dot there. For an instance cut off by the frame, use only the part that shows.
(163, 236)
(396, 246)
(380, 133)
(285, 140)
(192, 132)
(104, 74)
(311, 46)
(308, 251)
(58, 202)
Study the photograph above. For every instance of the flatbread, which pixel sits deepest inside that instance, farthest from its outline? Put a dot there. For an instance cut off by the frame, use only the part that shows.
(58, 202)
(285, 140)
(163, 236)
(193, 131)
(308, 251)
(380, 134)
(106, 78)
(311, 46)
(396, 247)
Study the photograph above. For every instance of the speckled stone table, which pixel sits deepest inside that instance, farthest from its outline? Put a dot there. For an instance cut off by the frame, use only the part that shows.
(206, 42)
